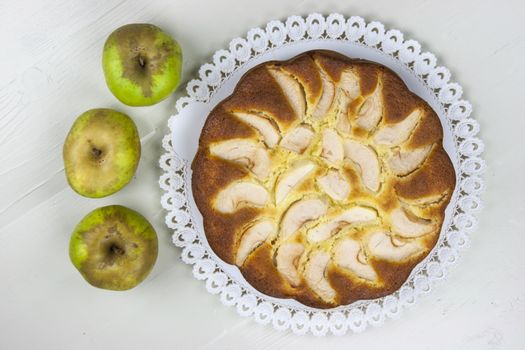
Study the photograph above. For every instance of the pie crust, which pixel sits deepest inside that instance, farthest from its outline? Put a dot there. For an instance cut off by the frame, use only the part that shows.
(323, 178)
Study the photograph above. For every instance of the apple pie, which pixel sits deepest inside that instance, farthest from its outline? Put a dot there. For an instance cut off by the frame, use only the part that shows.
(323, 178)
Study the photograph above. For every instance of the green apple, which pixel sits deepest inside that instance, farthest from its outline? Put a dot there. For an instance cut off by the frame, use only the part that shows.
(101, 152)
(142, 64)
(114, 248)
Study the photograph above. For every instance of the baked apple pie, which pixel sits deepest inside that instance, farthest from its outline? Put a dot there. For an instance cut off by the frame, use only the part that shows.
(323, 178)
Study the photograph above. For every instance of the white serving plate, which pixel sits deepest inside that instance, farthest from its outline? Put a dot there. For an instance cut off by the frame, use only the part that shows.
(280, 41)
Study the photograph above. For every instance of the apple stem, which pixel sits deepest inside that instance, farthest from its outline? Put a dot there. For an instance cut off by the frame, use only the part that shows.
(115, 249)
(142, 62)
(96, 152)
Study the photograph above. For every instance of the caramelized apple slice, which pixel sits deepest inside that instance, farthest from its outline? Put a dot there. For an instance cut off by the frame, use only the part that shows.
(408, 225)
(335, 185)
(371, 110)
(380, 245)
(264, 126)
(301, 212)
(315, 275)
(292, 90)
(286, 259)
(365, 157)
(349, 83)
(396, 134)
(348, 255)
(355, 215)
(332, 147)
(298, 139)
(240, 194)
(327, 97)
(292, 178)
(254, 236)
(248, 153)
(404, 162)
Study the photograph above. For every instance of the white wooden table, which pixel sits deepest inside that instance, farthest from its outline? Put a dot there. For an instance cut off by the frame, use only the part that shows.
(50, 66)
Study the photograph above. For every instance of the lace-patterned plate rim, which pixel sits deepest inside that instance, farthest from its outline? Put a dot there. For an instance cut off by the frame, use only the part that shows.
(460, 131)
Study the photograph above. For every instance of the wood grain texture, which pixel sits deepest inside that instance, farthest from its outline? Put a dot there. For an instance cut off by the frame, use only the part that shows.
(51, 72)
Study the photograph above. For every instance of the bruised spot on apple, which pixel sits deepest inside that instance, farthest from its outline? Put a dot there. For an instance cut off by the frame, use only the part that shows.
(142, 64)
(114, 248)
(101, 152)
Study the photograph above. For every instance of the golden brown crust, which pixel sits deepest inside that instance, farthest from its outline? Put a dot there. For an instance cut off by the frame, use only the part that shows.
(368, 76)
(350, 290)
(217, 174)
(398, 100)
(304, 70)
(429, 130)
(423, 190)
(214, 130)
(436, 176)
(258, 91)
(332, 63)
(261, 273)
